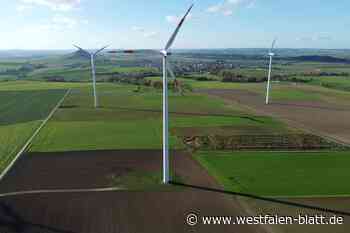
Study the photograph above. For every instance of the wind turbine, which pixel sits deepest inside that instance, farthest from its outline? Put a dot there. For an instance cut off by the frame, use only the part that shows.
(92, 56)
(271, 55)
(166, 68)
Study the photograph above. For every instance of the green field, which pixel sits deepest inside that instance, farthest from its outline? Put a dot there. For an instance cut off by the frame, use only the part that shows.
(21, 113)
(129, 120)
(83, 72)
(280, 174)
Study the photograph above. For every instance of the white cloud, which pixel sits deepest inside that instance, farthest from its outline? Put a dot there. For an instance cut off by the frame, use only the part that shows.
(56, 23)
(23, 8)
(138, 29)
(150, 34)
(324, 37)
(145, 33)
(64, 21)
(172, 19)
(227, 12)
(176, 19)
(319, 37)
(56, 5)
(228, 7)
(215, 8)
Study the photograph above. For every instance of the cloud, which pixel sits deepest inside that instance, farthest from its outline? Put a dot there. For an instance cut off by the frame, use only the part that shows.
(324, 37)
(228, 7)
(55, 5)
(176, 18)
(227, 12)
(64, 21)
(145, 33)
(138, 29)
(150, 34)
(215, 8)
(319, 37)
(22, 8)
(172, 18)
(56, 23)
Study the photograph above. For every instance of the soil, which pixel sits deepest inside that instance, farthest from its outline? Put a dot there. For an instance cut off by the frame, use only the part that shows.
(336, 203)
(117, 211)
(316, 116)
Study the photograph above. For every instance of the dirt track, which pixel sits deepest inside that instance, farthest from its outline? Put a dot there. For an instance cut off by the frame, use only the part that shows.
(319, 117)
(120, 211)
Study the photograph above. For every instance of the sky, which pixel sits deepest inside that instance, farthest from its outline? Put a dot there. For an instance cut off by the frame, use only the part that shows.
(147, 24)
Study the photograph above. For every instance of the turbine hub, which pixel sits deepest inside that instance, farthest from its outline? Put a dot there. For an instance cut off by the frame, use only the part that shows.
(164, 52)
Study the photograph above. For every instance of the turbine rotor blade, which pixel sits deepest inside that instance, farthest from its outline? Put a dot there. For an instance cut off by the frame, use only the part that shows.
(82, 50)
(100, 50)
(173, 36)
(131, 51)
(273, 45)
(170, 70)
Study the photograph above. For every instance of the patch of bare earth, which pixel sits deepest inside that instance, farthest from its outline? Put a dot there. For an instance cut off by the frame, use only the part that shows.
(117, 211)
(317, 116)
(340, 204)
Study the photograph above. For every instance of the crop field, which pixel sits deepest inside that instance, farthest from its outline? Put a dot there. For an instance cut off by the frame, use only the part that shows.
(281, 174)
(282, 91)
(222, 137)
(129, 120)
(21, 114)
(9, 65)
(83, 72)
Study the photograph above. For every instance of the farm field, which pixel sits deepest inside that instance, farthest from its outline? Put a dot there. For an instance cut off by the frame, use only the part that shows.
(129, 120)
(113, 211)
(280, 174)
(120, 144)
(331, 203)
(82, 73)
(130, 123)
(327, 115)
(21, 113)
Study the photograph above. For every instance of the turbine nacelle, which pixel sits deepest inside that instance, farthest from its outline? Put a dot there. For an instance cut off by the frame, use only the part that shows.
(271, 54)
(164, 52)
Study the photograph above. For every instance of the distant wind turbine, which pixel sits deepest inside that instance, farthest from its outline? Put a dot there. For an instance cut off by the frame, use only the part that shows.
(92, 56)
(271, 55)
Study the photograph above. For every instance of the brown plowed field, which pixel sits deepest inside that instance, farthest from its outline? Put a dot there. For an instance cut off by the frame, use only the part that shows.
(340, 204)
(117, 211)
(320, 117)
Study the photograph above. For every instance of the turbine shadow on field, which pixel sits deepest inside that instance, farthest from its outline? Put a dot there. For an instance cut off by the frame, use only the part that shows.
(266, 199)
(11, 220)
(311, 106)
(189, 113)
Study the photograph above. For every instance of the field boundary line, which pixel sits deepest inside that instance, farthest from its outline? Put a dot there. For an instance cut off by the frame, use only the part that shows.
(8, 168)
(310, 196)
(53, 191)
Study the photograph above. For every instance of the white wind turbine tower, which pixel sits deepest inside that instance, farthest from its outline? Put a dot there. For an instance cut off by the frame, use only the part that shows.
(271, 55)
(92, 56)
(166, 68)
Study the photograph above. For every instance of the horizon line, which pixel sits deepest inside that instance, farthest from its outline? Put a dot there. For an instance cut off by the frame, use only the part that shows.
(247, 48)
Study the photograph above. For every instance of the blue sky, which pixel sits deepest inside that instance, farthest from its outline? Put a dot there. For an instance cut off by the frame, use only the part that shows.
(56, 24)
